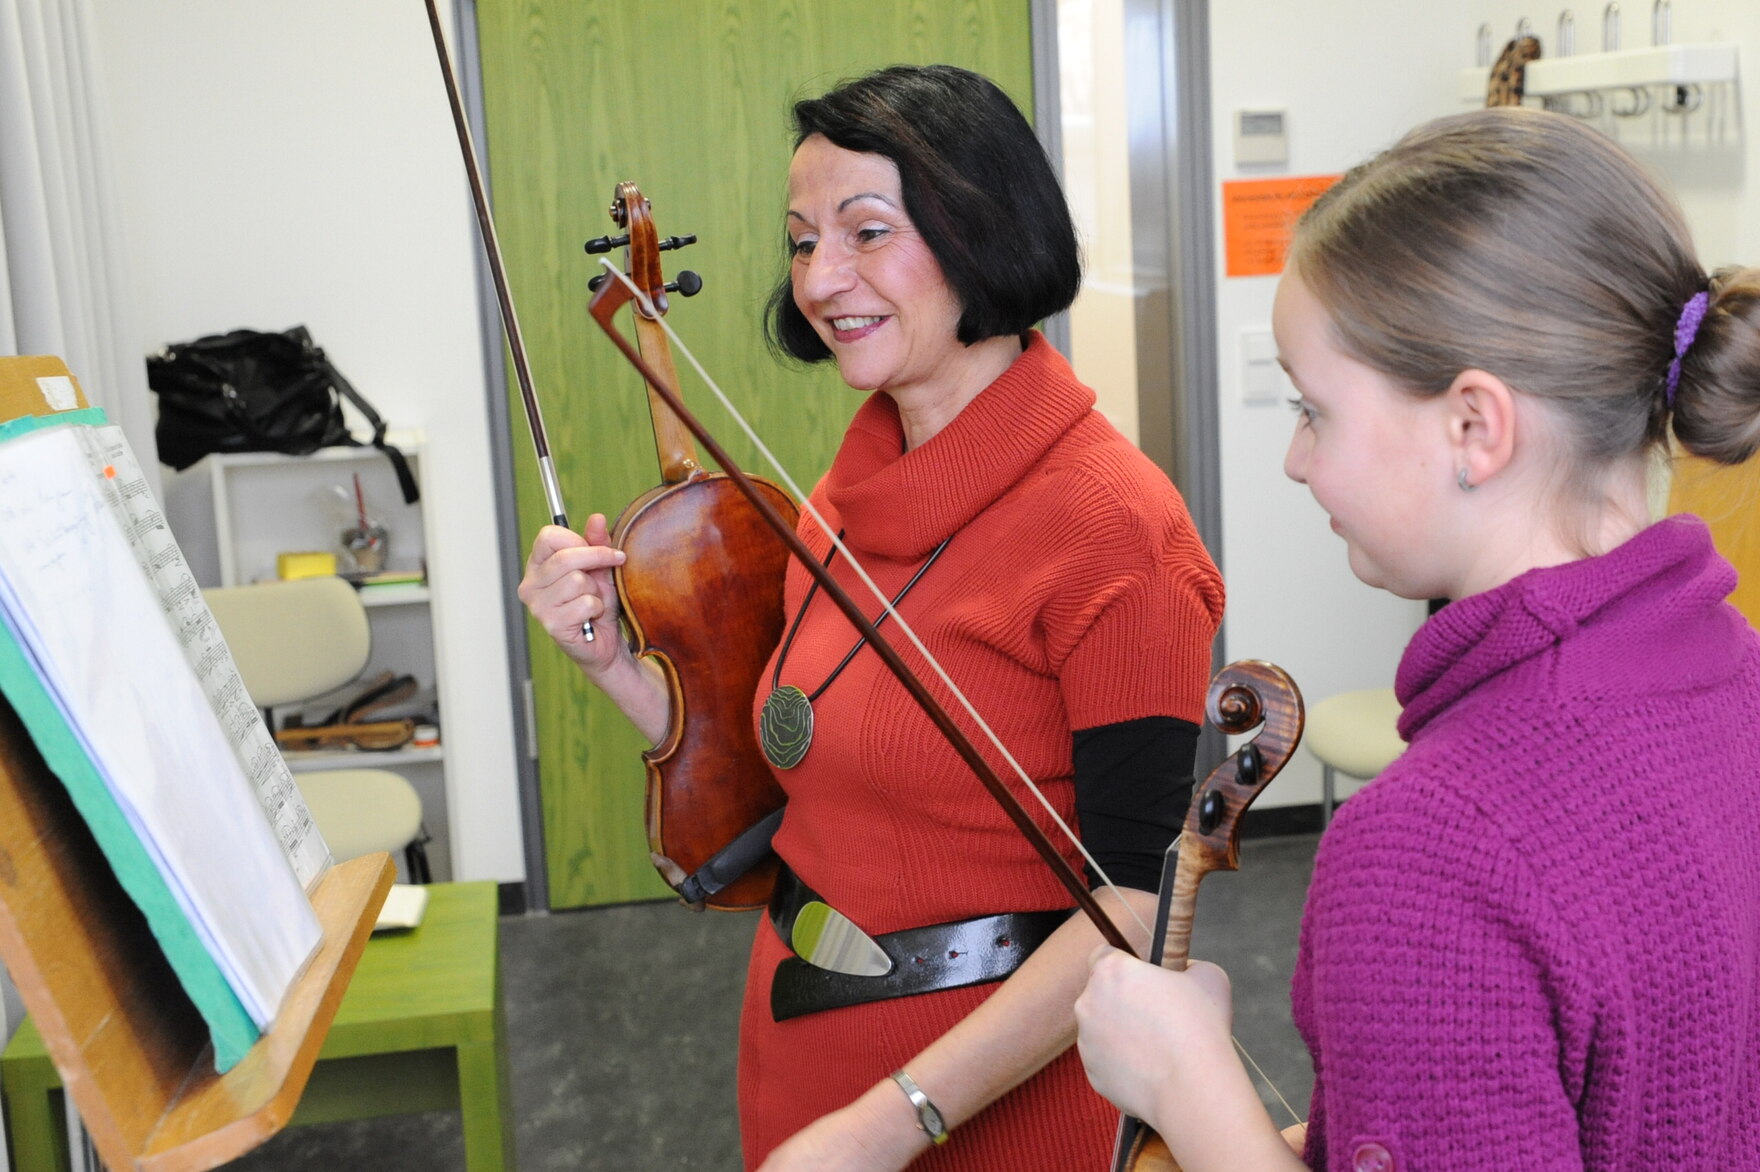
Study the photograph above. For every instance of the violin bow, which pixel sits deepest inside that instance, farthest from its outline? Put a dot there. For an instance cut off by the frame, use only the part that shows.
(1243, 696)
(503, 296)
(611, 297)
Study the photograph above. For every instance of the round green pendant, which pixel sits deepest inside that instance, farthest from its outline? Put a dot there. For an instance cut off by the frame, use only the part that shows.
(785, 726)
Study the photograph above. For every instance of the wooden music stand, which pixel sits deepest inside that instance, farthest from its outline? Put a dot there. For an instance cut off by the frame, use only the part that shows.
(130, 1047)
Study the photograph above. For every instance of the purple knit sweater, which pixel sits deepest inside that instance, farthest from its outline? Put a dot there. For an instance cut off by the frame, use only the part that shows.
(1534, 941)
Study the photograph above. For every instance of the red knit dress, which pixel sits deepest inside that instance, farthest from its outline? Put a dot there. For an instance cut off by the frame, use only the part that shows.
(1074, 593)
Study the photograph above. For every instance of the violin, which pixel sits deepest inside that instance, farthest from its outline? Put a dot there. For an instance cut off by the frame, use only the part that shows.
(1243, 696)
(701, 591)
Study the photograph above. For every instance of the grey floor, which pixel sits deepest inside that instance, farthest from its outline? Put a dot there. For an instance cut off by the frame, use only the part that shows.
(622, 1023)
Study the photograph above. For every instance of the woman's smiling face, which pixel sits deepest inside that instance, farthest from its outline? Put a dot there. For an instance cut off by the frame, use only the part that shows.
(862, 274)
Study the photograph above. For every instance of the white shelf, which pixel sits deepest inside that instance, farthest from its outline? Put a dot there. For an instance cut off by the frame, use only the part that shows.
(1701, 64)
(1706, 63)
(404, 441)
(393, 595)
(315, 761)
(248, 507)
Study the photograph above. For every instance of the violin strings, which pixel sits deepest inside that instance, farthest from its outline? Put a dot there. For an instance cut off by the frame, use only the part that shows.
(886, 603)
(873, 587)
(1266, 1079)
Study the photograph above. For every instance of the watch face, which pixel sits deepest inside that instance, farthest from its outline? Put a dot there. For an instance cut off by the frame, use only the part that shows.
(928, 1118)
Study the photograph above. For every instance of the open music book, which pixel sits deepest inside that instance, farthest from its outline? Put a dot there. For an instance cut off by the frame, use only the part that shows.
(111, 659)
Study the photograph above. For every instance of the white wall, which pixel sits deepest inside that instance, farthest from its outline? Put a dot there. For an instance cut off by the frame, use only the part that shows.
(1352, 77)
(1701, 155)
(294, 162)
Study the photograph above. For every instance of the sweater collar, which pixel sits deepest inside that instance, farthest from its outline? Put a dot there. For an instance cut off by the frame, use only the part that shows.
(1656, 597)
(901, 504)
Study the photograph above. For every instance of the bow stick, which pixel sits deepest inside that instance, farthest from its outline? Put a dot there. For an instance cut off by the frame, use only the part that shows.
(503, 298)
(1242, 696)
(611, 297)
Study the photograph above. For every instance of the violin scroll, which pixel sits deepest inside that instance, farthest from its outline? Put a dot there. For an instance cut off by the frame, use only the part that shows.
(1243, 696)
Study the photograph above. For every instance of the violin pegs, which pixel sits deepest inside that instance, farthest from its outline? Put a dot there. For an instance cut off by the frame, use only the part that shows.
(672, 242)
(606, 243)
(687, 285)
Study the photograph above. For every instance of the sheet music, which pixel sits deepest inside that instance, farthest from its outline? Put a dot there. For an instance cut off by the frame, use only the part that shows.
(99, 640)
(119, 476)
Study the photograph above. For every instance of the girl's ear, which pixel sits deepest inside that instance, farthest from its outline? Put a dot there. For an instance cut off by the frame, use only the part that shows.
(1481, 418)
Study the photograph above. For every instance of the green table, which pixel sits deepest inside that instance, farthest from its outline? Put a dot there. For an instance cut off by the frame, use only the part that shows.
(420, 1029)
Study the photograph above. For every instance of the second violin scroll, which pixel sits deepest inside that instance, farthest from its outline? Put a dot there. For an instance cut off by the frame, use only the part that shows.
(1244, 695)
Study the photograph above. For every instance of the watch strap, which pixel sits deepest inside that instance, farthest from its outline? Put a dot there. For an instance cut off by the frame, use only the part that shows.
(929, 1118)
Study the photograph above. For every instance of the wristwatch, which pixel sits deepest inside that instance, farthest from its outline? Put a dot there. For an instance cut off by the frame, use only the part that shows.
(928, 1118)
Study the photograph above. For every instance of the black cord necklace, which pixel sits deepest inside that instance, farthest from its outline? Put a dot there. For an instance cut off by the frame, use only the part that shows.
(785, 722)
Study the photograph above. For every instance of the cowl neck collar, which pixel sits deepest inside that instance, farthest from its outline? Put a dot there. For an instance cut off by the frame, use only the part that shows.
(1656, 597)
(901, 504)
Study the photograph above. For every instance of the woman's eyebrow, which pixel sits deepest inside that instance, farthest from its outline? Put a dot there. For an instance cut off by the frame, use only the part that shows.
(865, 195)
(845, 204)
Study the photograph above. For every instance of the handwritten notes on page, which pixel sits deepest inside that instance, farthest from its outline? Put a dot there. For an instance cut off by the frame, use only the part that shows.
(91, 625)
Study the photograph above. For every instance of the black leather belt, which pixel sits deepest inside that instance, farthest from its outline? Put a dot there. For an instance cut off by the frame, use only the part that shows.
(924, 960)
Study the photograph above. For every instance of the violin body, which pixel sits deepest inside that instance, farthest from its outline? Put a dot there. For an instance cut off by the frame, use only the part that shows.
(702, 593)
(1148, 1153)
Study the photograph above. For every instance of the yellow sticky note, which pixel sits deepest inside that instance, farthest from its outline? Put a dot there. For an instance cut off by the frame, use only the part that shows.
(313, 564)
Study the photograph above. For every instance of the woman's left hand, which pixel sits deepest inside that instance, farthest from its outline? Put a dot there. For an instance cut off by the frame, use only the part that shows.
(876, 1133)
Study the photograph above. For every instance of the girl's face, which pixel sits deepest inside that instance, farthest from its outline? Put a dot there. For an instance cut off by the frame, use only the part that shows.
(863, 275)
(1376, 458)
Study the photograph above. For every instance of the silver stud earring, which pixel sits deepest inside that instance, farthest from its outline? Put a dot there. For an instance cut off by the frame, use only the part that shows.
(1462, 481)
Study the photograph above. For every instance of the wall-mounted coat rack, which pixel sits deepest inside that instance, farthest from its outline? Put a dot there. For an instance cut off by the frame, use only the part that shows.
(1624, 78)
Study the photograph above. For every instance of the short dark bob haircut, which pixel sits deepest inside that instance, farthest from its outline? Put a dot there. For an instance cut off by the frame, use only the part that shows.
(976, 184)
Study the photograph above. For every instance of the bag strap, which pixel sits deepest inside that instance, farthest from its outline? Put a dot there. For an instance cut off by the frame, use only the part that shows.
(405, 479)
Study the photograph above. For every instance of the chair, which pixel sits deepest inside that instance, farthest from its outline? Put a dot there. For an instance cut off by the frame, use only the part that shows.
(1353, 733)
(299, 639)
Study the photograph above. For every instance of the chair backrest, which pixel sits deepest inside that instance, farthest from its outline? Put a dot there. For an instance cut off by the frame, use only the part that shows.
(293, 640)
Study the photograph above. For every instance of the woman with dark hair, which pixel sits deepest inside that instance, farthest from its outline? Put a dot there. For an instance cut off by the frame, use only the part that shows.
(1045, 563)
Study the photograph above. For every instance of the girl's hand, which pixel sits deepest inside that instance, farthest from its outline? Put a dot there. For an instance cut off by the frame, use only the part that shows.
(568, 583)
(1148, 1035)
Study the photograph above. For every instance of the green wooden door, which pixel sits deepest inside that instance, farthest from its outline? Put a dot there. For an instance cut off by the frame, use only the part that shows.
(689, 99)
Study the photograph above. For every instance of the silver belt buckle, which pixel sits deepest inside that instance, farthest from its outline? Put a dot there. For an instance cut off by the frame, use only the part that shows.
(826, 938)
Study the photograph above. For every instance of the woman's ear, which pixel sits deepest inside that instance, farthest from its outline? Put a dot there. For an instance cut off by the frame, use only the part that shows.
(1481, 419)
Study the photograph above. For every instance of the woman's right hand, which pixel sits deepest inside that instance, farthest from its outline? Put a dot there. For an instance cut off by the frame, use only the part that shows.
(567, 584)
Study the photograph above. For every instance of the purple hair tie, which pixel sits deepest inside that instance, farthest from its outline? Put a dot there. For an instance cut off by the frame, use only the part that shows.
(1685, 330)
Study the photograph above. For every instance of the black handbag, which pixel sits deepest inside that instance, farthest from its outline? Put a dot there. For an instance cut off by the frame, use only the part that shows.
(250, 391)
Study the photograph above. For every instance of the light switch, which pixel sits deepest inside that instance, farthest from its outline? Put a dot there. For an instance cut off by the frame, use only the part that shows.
(1262, 380)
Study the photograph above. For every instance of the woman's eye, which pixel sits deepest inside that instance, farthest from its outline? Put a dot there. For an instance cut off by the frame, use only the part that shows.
(869, 235)
(802, 247)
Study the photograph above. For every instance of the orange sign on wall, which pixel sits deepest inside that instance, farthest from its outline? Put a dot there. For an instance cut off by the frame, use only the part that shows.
(1258, 217)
